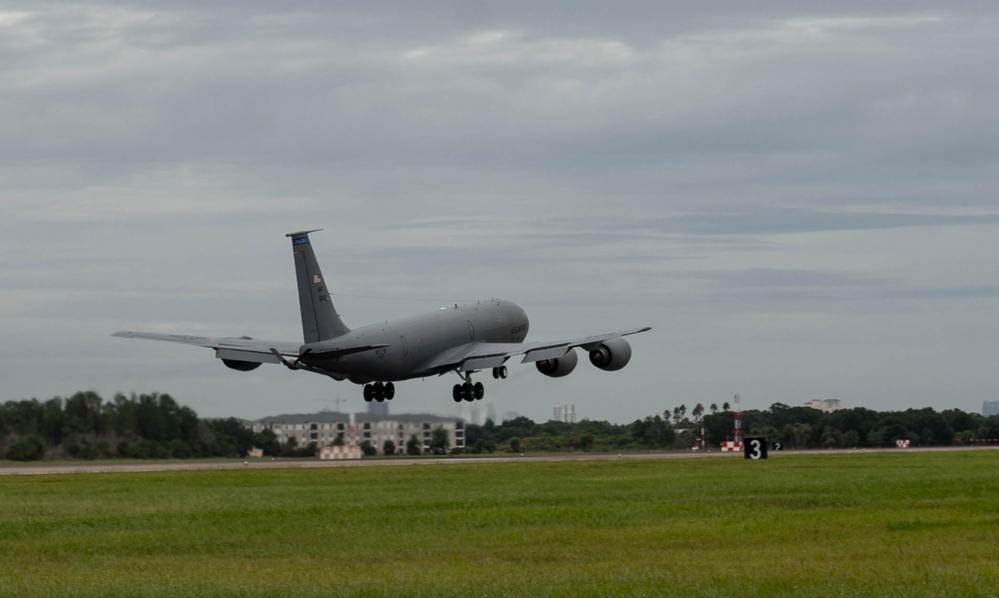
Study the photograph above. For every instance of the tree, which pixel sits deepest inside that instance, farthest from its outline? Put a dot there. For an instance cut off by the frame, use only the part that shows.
(800, 435)
(388, 447)
(266, 440)
(368, 449)
(483, 445)
(52, 421)
(290, 447)
(697, 412)
(232, 438)
(26, 448)
(413, 446)
(714, 408)
(653, 432)
(439, 441)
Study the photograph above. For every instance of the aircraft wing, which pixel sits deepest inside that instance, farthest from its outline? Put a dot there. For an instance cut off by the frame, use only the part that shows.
(480, 356)
(240, 349)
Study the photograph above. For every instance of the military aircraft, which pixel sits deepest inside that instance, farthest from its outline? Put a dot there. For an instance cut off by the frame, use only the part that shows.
(464, 339)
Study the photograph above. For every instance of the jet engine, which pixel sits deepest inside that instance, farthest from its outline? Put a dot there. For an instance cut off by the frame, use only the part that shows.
(556, 368)
(240, 366)
(611, 355)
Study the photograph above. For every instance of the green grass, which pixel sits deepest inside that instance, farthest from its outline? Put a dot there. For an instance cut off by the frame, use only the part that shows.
(896, 524)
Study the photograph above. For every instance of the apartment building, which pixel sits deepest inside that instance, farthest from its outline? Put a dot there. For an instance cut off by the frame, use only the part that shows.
(324, 427)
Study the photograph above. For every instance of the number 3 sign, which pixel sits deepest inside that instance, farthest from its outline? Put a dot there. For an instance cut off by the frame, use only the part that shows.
(755, 448)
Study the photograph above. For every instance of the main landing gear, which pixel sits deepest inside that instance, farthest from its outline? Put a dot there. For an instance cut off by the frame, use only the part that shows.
(379, 392)
(468, 392)
(474, 392)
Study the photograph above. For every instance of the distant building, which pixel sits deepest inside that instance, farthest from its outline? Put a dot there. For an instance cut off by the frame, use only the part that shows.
(827, 405)
(378, 409)
(565, 412)
(990, 408)
(477, 412)
(324, 427)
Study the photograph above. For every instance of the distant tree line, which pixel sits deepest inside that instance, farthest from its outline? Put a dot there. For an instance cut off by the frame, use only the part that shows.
(154, 426)
(795, 427)
(148, 426)
(804, 427)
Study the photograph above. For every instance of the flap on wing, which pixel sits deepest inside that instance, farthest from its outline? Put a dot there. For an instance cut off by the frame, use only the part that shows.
(250, 356)
(483, 363)
(546, 353)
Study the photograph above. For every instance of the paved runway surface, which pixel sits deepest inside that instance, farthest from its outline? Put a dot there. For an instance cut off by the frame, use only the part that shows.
(112, 467)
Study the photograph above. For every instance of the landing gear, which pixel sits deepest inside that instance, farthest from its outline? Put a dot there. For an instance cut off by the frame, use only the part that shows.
(469, 391)
(499, 372)
(379, 392)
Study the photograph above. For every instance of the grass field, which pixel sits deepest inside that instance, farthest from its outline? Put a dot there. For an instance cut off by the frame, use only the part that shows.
(889, 524)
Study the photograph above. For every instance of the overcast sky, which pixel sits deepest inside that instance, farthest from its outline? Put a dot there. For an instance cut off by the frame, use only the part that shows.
(799, 197)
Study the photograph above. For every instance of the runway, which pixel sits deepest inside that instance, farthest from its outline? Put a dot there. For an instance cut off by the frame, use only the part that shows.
(268, 463)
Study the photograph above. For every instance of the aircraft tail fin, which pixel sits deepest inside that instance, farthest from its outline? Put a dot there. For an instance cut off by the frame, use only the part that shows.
(319, 318)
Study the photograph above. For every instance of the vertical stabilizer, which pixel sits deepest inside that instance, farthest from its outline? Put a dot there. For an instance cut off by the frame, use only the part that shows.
(319, 318)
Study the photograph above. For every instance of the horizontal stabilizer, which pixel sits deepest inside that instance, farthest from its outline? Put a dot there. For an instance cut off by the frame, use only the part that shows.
(334, 351)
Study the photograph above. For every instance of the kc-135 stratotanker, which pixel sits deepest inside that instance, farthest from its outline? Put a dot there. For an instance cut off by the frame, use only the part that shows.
(464, 339)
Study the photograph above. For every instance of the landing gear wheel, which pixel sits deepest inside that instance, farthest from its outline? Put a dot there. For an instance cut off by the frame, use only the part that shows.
(467, 392)
(456, 393)
(379, 391)
(478, 391)
(369, 393)
(499, 372)
(389, 391)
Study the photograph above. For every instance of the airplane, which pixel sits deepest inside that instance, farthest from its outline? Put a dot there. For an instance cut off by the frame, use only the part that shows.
(464, 339)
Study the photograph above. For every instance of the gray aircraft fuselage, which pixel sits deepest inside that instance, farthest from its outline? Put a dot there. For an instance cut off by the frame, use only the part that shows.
(413, 342)
(463, 339)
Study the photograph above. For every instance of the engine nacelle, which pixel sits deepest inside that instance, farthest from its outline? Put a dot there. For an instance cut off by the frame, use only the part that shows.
(556, 368)
(611, 355)
(240, 366)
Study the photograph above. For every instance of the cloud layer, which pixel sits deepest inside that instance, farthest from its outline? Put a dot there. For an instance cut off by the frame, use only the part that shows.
(800, 199)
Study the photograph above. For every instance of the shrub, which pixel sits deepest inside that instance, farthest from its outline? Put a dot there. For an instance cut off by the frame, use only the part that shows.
(26, 448)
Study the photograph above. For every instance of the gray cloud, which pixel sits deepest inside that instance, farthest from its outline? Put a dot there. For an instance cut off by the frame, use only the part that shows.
(799, 197)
